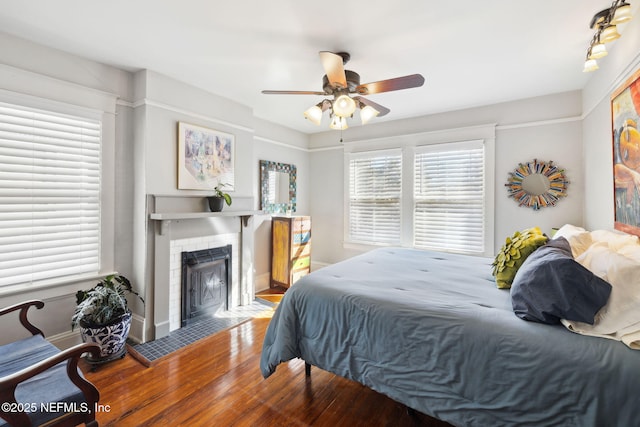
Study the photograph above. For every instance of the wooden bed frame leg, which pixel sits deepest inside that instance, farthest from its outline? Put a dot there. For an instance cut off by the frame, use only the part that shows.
(307, 369)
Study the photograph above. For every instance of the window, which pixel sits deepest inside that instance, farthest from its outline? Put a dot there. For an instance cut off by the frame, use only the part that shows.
(375, 190)
(449, 197)
(49, 195)
(431, 196)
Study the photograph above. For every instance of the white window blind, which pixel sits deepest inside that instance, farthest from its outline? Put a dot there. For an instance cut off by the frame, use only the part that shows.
(449, 197)
(375, 189)
(49, 195)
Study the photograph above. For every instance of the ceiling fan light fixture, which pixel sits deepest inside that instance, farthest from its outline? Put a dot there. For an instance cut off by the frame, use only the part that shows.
(339, 84)
(314, 114)
(367, 113)
(609, 34)
(338, 123)
(622, 14)
(344, 106)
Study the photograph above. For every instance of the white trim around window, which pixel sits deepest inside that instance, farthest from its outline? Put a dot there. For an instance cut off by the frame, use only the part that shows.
(60, 120)
(480, 138)
(374, 201)
(448, 197)
(49, 194)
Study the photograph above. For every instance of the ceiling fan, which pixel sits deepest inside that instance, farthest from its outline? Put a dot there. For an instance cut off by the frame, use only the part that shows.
(340, 84)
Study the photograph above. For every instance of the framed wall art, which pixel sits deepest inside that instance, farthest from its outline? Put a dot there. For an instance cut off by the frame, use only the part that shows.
(205, 158)
(277, 187)
(625, 116)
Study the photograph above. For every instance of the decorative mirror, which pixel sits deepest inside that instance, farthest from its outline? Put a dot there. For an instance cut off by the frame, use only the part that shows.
(537, 184)
(277, 187)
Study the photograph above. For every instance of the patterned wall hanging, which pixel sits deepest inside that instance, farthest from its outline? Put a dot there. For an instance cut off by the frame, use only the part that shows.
(537, 184)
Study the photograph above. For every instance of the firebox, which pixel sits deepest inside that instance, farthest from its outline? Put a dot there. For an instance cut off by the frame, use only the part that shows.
(206, 277)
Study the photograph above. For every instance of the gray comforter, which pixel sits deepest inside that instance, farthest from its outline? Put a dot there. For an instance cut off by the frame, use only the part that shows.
(432, 331)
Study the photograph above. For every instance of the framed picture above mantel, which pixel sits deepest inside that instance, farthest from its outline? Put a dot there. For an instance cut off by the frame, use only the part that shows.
(625, 117)
(205, 158)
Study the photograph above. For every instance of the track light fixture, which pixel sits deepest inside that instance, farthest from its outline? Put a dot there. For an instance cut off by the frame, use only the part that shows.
(605, 23)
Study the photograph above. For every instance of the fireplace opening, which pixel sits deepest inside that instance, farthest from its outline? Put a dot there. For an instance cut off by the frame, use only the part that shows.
(206, 278)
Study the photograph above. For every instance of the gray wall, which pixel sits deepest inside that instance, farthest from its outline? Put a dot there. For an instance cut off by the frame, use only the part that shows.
(546, 127)
(142, 137)
(277, 144)
(34, 70)
(140, 147)
(615, 68)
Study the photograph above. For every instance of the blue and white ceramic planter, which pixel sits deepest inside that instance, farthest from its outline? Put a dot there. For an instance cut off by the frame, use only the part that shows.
(111, 338)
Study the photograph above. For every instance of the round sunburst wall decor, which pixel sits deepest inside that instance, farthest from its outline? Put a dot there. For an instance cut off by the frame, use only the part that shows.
(537, 184)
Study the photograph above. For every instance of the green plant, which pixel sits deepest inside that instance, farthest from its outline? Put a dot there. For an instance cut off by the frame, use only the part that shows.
(104, 302)
(220, 193)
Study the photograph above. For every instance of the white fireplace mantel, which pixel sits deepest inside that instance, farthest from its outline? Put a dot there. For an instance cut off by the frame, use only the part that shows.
(176, 217)
(166, 217)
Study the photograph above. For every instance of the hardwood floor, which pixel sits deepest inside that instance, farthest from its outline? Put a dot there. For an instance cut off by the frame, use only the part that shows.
(217, 381)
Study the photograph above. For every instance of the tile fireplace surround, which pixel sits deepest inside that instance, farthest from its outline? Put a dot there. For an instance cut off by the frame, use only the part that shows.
(183, 223)
(175, 269)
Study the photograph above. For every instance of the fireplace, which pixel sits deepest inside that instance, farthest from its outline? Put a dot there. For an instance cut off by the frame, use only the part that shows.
(206, 281)
(179, 224)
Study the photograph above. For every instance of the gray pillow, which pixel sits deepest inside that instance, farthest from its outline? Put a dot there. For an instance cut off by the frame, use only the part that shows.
(551, 286)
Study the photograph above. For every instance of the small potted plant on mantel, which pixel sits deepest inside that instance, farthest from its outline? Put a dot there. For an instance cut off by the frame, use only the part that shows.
(216, 202)
(104, 317)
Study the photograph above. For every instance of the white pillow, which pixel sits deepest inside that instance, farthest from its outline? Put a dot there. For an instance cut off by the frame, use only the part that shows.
(631, 251)
(615, 239)
(621, 315)
(579, 239)
(568, 230)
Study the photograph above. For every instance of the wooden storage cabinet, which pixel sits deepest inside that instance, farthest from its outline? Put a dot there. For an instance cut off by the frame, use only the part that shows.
(290, 249)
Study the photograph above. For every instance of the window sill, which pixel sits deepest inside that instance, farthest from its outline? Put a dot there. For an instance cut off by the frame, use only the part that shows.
(51, 288)
(367, 246)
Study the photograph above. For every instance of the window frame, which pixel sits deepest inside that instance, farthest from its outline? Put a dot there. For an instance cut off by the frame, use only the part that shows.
(408, 144)
(449, 148)
(369, 155)
(94, 105)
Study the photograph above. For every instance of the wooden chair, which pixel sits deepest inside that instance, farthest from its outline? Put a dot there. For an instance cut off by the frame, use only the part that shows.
(39, 384)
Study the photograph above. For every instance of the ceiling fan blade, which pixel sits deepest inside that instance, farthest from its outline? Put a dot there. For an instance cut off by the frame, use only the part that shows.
(405, 82)
(383, 110)
(291, 92)
(334, 68)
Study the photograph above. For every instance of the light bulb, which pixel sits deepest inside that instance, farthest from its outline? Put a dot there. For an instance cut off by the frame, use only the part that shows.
(338, 123)
(598, 50)
(367, 113)
(609, 34)
(590, 65)
(344, 106)
(314, 114)
(622, 14)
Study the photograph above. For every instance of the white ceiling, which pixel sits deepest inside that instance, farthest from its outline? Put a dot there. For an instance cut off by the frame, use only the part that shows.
(470, 52)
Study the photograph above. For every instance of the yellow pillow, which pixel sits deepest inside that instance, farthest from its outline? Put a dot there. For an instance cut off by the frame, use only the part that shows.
(515, 250)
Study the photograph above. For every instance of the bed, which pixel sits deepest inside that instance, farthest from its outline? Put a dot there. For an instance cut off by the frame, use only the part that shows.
(432, 331)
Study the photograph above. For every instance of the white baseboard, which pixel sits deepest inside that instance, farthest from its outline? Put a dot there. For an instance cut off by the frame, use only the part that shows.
(262, 282)
(136, 333)
(66, 340)
(316, 265)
